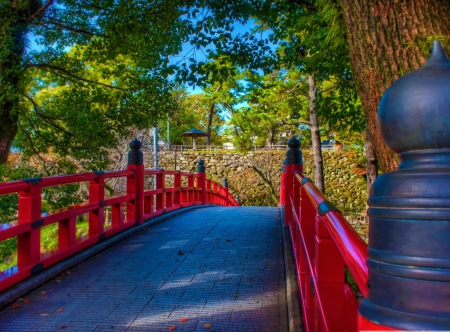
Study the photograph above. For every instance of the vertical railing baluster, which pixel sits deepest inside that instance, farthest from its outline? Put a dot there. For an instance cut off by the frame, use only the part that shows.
(96, 195)
(160, 184)
(177, 192)
(201, 180)
(67, 233)
(135, 183)
(28, 244)
(191, 191)
(226, 192)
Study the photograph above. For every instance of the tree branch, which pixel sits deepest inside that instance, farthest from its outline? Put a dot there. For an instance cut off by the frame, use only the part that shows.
(46, 118)
(72, 28)
(56, 68)
(33, 147)
(268, 183)
(40, 12)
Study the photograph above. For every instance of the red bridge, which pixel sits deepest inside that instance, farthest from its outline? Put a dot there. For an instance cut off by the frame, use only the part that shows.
(188, 257)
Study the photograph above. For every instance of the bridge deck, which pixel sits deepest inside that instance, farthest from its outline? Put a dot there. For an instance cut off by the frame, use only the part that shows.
(219, 266)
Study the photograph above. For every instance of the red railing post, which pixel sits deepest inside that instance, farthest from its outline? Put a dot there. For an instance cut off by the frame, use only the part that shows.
(97, 195)
(183, 194)
(177, 193)
(28, 244)
(201, 179)
(293, 165)
(330, 275)
(191, 191)
(135, 183)
(226, 193)
(160, 184)
(210, 188)
(283, 184)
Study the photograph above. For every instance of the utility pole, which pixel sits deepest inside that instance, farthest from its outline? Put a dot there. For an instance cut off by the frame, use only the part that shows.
(155, 146)
(168, 130)
(155, 152)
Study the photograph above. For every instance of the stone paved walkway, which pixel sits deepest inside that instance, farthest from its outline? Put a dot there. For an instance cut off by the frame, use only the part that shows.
(215, 269)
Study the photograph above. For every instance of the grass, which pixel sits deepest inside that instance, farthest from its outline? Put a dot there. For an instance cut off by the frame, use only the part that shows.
(49, 242)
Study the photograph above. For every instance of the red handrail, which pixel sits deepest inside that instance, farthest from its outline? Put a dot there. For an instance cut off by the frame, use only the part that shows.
(352, 248)
(126, 210)
(324, 244)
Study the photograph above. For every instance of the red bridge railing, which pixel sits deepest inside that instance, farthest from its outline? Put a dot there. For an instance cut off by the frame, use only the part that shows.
(324, 246)
(401, 280)
(128, 210)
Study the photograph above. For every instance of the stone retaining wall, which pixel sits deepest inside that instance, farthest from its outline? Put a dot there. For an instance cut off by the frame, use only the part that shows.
(255, 177)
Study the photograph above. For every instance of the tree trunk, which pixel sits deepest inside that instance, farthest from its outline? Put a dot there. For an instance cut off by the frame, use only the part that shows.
(11, 70)
(210, 118)
(8, 131)
(371, 162)
(387, 39)
(315, 136)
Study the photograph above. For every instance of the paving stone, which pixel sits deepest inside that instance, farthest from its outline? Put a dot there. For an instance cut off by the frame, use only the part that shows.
(220, 266)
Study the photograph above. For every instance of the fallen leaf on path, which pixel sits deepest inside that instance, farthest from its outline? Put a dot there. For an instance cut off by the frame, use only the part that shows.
(180, 252)
(59, 310)
(164, 315)
(236, 295)
(16, 306)
(44, 315)
(171, 327)
(43, 292)
(207, 326)
(26, 300)
(66, 272)
(228, 240)
(183, 320)
(62, 326)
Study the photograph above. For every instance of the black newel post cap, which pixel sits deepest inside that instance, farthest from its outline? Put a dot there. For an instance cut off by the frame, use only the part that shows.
(414, 113)
(294, 155)
(135, 156)
(225, 182)
(201, 166)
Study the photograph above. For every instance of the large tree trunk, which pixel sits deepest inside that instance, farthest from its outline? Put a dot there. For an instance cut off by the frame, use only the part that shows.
(387, 39)
(315, 136)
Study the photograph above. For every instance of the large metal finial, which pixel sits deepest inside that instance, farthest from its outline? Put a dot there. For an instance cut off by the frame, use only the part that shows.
(414, 113)
(225, 182)
(135, 156)
(409, 247)
(294, 155)
(201, 166)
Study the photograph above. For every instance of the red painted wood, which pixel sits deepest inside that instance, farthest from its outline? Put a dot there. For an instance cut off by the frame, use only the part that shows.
(28, 243)
(97, 216)
(323, 246)
(160, 184)
(139, 207)
(282, 189)
(67, 233)
(177, 186)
